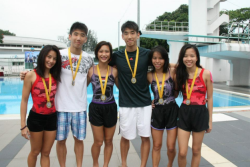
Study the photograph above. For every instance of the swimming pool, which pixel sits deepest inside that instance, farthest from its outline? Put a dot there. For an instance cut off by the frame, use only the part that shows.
(11, 94)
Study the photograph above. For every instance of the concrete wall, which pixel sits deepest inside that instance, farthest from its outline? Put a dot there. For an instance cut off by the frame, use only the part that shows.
(197, 13)
(174, 50)
(240, 72)
(219, 68)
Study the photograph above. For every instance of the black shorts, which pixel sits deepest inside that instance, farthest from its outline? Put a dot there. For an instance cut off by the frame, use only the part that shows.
(193, 118)
(164, 116)
(103, 114)
(39, 122)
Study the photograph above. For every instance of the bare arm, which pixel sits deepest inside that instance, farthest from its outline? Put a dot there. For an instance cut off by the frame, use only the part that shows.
(149, 77)
(28, 81)
(171, 65)
(22, 74)
(209, 85)
(90, 73)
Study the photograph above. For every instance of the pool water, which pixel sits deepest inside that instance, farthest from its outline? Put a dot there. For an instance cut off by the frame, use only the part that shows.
(11, 94)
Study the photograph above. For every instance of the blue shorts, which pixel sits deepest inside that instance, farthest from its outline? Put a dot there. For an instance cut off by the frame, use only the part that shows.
(77, 121)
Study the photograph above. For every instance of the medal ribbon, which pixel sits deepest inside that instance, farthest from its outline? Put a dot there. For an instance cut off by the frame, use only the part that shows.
(46, 89)
(100, 79)
(78, 64)
(191, 89)
(160, 90)
(136, 62)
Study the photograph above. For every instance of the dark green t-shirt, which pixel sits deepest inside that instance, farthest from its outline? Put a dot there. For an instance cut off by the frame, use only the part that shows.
(132, 95)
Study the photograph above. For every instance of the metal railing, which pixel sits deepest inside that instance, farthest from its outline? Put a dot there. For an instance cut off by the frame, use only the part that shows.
(167, 26)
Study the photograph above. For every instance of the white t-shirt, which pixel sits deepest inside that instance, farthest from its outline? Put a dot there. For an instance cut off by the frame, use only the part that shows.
(71, 98)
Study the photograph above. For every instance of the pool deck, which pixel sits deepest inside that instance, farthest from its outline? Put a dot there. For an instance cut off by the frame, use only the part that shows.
(228, 144)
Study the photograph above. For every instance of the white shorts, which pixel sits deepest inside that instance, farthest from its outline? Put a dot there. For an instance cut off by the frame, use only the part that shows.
(135, 117)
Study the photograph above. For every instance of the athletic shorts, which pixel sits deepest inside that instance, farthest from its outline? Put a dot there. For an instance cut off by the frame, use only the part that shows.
(132, 118)
(103, 114)
(75, 120)
(193, 118)
(39, 122)
(165, 116)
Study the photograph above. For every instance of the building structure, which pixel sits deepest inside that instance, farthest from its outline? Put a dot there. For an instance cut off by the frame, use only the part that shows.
(228, 58)
(12, 52)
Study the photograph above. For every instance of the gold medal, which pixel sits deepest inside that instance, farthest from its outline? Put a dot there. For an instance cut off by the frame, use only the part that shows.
(133, 80)
(48, 104)
(160, 90)
(188, 101)
(161, 101)
(103, 97)
(103, 88)
(78, 64)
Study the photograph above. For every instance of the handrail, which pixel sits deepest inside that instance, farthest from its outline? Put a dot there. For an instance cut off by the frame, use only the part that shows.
(167, 26)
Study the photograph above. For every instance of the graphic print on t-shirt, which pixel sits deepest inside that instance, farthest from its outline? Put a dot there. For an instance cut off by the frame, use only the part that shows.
(86, 63)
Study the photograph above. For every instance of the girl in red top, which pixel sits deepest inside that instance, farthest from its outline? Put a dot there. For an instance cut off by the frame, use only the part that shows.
(42, 120)
(194, 82)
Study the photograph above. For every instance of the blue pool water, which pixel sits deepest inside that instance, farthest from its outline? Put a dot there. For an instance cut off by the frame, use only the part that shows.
(11, 94)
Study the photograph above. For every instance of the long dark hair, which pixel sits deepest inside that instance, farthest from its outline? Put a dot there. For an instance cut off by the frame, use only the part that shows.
(164, 55)
(56, 69)
(181, 70)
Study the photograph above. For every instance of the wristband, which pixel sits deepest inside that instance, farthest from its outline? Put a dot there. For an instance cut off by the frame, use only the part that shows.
(23, 127)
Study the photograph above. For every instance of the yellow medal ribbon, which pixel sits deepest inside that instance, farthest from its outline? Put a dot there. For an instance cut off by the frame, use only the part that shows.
(133, 80)
(103, 88)
(191, 89)
(48, 104)
(160, 90)
(78, 64)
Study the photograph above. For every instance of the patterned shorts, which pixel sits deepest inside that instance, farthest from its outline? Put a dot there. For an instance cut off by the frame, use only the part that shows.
(77, 121)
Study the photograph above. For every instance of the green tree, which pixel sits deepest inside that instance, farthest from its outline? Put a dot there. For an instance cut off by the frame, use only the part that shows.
(91, 42)
(5, 32)
(239, 15)
(179, 15)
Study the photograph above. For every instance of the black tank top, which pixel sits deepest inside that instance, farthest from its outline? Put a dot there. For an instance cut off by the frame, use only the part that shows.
(168, 92)
(97, 92)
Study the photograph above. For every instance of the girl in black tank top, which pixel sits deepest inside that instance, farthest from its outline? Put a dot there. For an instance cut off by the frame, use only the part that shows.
(165, 112)
(103, 108)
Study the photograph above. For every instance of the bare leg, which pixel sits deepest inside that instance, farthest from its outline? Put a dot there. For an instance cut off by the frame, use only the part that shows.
(124, 145)
(36, 142)
(157, 144)
(78, 151)
(183, 137)
(196, 148)
(98, 134)
(145, 148)
(61, 152)
(48, 141)
(171, 140)
(108, 149)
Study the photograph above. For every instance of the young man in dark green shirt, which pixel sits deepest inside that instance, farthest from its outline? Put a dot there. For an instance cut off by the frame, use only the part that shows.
(134, 97)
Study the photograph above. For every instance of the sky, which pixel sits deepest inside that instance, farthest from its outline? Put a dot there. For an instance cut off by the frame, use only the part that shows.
(49, 19)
